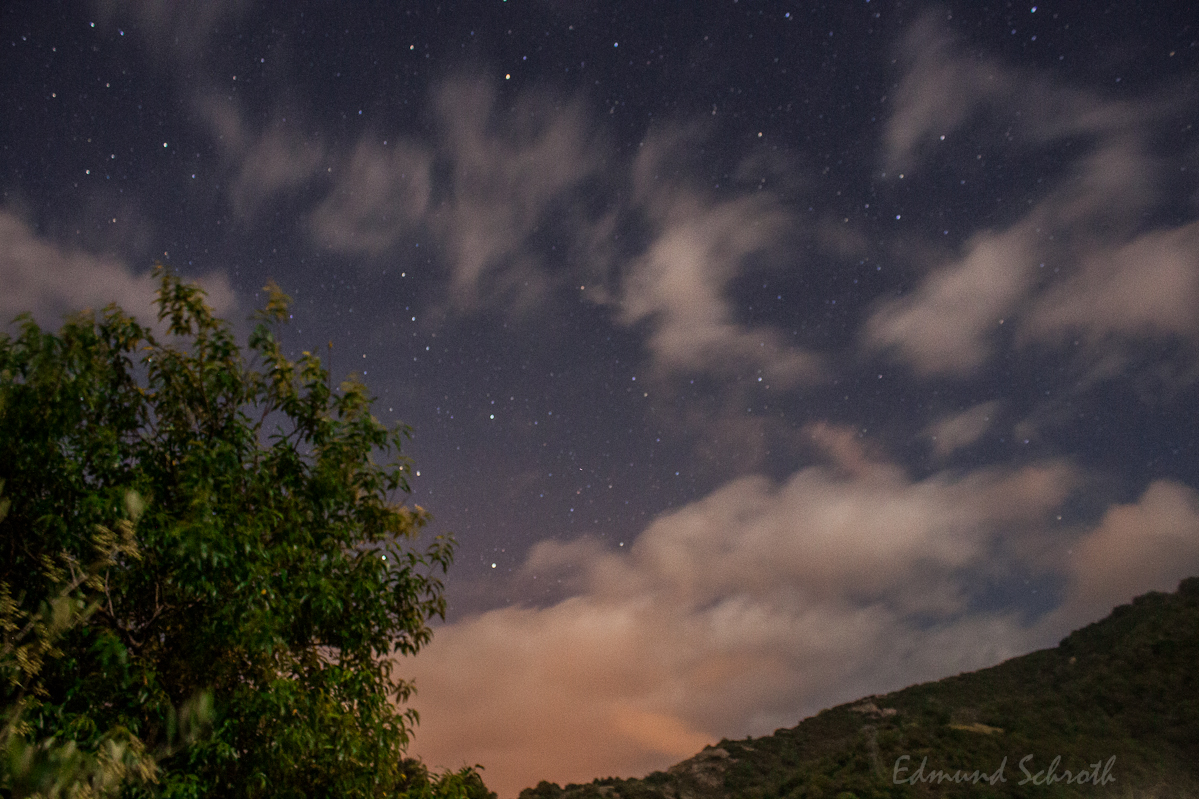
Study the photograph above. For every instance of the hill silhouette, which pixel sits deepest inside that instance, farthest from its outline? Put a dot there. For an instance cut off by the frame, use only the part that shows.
(1113, 710)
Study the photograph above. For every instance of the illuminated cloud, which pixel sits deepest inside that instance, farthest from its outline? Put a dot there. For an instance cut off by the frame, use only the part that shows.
(180, 30)
(680, 285)
(1147, 288)
(280, 160)
(526, 173)
(946, 87)
(941, 89)
(734, 615)
(1149, 545)
(1073, 267)
(497, 190)
(48, 281)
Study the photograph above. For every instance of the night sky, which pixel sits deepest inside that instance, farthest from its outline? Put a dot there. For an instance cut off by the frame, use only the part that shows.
(759, 355)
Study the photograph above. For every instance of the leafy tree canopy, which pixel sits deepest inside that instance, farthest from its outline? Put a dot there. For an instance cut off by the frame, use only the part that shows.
(264, 563)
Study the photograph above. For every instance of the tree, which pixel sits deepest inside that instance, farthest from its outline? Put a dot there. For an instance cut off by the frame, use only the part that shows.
(272, 567)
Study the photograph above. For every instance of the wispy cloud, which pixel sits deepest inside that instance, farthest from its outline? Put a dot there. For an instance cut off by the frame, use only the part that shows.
(951, 433)
(512, 168)
(946, 88)
(279, 160)
(1147, 288)
(263, 164)
(381, 193)
(179, 29)
(524, 199)
(680, 284)
(1148, 545)
(49, 281)
(1078, 263)
(951, 322)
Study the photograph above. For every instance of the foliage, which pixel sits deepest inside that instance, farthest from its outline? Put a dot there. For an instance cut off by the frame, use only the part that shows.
(1125, 687)
(52, 767)
(465, 783)
(266, 560)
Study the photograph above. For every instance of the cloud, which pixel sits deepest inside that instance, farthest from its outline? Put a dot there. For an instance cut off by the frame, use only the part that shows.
(951, 433)
(532, 199)
(512, 168)
(1147, 288)
(523, 197)
(280, 160)
(1078, 263)
(1074, 267)
(734, 615)
(941, 89)
(381, 193)
(264, 164)
(48, 281)
(1149, 545)
(949, 324)
(679, 285)
(843, 447)
(945, 87)
(180, 28)
(499, 189)
(764, 602)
